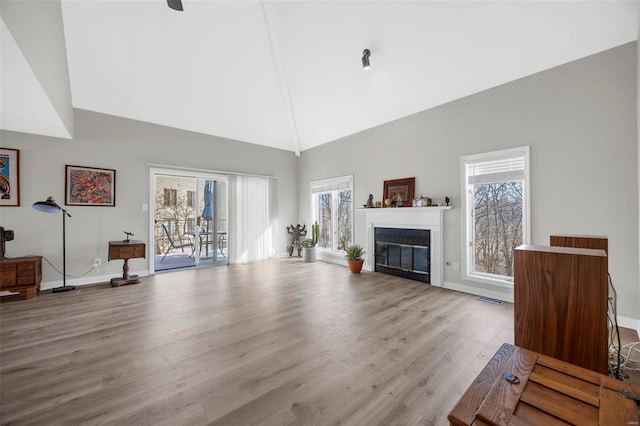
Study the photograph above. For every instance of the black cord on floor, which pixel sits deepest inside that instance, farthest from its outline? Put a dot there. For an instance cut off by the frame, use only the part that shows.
(617, 374)
(59, 271)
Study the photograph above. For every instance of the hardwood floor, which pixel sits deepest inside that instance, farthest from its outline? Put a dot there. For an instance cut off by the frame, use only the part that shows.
(280, 342)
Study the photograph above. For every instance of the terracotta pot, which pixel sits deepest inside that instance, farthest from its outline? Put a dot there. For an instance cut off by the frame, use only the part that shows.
(355, 266)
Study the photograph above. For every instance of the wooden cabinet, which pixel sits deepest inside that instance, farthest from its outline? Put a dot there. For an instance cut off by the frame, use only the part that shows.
(519, 387)
(126, 250)
(560, 304)
(21, 275)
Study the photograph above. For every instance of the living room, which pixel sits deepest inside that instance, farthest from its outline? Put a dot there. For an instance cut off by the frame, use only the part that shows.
(579, 119)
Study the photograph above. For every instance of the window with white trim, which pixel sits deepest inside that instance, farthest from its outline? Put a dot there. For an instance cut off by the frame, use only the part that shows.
(332, 208)
(496, 212)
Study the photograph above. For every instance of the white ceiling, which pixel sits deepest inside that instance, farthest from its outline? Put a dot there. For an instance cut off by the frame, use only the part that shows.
(288, 74)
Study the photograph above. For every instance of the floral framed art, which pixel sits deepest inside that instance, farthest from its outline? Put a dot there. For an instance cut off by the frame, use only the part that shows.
(399, 191)
(89, 186)
(9, 177)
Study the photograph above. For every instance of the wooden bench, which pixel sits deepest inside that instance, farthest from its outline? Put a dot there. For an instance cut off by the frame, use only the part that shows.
(543, 391)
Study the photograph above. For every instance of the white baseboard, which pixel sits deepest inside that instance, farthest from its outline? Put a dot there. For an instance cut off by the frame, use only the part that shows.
(506, 297)
(94, 279)
(631, 323)
(338, 259)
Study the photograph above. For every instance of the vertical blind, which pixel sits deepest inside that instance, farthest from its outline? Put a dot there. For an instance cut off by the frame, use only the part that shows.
(252, 219)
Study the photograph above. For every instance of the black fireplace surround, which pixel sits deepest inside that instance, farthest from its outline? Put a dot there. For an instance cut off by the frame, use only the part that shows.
(403, 252)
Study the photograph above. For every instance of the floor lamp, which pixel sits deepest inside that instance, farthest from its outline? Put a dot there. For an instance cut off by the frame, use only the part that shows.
(50, 206)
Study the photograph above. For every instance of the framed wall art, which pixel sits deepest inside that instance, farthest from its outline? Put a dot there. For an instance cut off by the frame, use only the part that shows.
(399, 191)
(89, 186)
(9, 177)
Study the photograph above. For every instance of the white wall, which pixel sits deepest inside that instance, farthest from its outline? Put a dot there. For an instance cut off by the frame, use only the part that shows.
(580, 121)
(127, 146)
(37, 27)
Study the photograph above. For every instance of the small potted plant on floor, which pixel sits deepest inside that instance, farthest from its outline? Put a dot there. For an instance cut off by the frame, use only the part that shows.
(354, 258)
(309, 244)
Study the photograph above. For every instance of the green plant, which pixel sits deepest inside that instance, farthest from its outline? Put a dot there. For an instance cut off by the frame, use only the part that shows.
(355, 252)
(306, 242)
(315, 233)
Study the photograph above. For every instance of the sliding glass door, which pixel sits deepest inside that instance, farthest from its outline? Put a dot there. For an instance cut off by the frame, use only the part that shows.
(189, 219)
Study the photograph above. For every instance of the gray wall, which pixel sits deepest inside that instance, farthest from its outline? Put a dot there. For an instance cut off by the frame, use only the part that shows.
(127, 146)
(580, 121)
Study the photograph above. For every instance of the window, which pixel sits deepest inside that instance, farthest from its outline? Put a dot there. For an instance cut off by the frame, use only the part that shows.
(191, 198)
(332, 208)
(496, 206)
(170, 197)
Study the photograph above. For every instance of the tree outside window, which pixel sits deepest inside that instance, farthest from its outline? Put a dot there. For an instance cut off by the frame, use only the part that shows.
(332, 208)
(496, 212)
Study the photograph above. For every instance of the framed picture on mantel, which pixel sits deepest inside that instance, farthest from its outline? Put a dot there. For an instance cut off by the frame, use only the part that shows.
(399, 191)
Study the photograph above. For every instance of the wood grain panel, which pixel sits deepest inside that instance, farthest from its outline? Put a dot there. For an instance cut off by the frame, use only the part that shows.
(596, 242)
(560, 297)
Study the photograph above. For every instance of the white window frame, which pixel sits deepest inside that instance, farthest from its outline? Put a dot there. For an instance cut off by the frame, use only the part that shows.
(329, 185)
(467, 215)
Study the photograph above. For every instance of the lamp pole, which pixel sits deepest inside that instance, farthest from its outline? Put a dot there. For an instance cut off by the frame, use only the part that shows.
(50, 206)
(64, 246)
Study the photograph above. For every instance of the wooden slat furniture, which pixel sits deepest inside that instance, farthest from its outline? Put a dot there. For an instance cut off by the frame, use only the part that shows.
(21, 275)
(126, 250)
(560, 304)
(548, 392)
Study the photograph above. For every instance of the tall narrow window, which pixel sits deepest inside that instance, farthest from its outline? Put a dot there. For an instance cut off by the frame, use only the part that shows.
(191, 198)
(496, 208)
(332, 208)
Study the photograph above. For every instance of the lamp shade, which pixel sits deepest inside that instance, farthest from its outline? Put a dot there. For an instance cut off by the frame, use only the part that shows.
(48, 206)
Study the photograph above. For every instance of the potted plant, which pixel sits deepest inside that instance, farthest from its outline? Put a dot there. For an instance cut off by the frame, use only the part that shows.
(309, 244)
(308, 249)
(354, 258)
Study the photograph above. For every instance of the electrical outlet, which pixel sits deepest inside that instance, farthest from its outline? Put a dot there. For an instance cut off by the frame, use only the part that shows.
(97, 262)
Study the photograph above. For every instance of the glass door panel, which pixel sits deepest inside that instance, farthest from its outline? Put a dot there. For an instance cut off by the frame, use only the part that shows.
(174, 222)
(212, 222)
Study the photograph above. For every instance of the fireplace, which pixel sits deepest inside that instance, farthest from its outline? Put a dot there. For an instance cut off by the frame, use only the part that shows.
(428, 219)
(403, 252)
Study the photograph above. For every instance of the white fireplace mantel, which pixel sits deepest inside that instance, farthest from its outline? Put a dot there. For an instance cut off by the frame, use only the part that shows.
(430, 218)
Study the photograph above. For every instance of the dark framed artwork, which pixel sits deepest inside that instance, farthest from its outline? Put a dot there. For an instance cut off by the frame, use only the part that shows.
(399, 191)
(89, 186)
(9, 177)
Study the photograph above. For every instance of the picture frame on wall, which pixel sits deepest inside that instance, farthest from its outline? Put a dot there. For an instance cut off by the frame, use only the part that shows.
(89, 186)
(402, 188)
(9, 177)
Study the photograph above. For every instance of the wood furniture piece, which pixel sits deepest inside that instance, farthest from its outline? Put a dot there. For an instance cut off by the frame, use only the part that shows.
(581, 241)
(543, 391)
(125, 250)
(560, 304)
(21, 275)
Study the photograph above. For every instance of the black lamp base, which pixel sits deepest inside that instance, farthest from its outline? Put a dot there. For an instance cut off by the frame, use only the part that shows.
(62, 289)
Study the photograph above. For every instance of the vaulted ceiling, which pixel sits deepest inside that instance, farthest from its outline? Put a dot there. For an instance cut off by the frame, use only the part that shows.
(288, 74)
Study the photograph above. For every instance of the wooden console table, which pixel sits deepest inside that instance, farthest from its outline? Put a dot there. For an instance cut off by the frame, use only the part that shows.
(519, 387)
(21, 275)
(126, 250)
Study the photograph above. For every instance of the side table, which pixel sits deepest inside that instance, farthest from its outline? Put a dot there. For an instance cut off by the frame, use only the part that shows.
(125, 250)
(21, 275)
